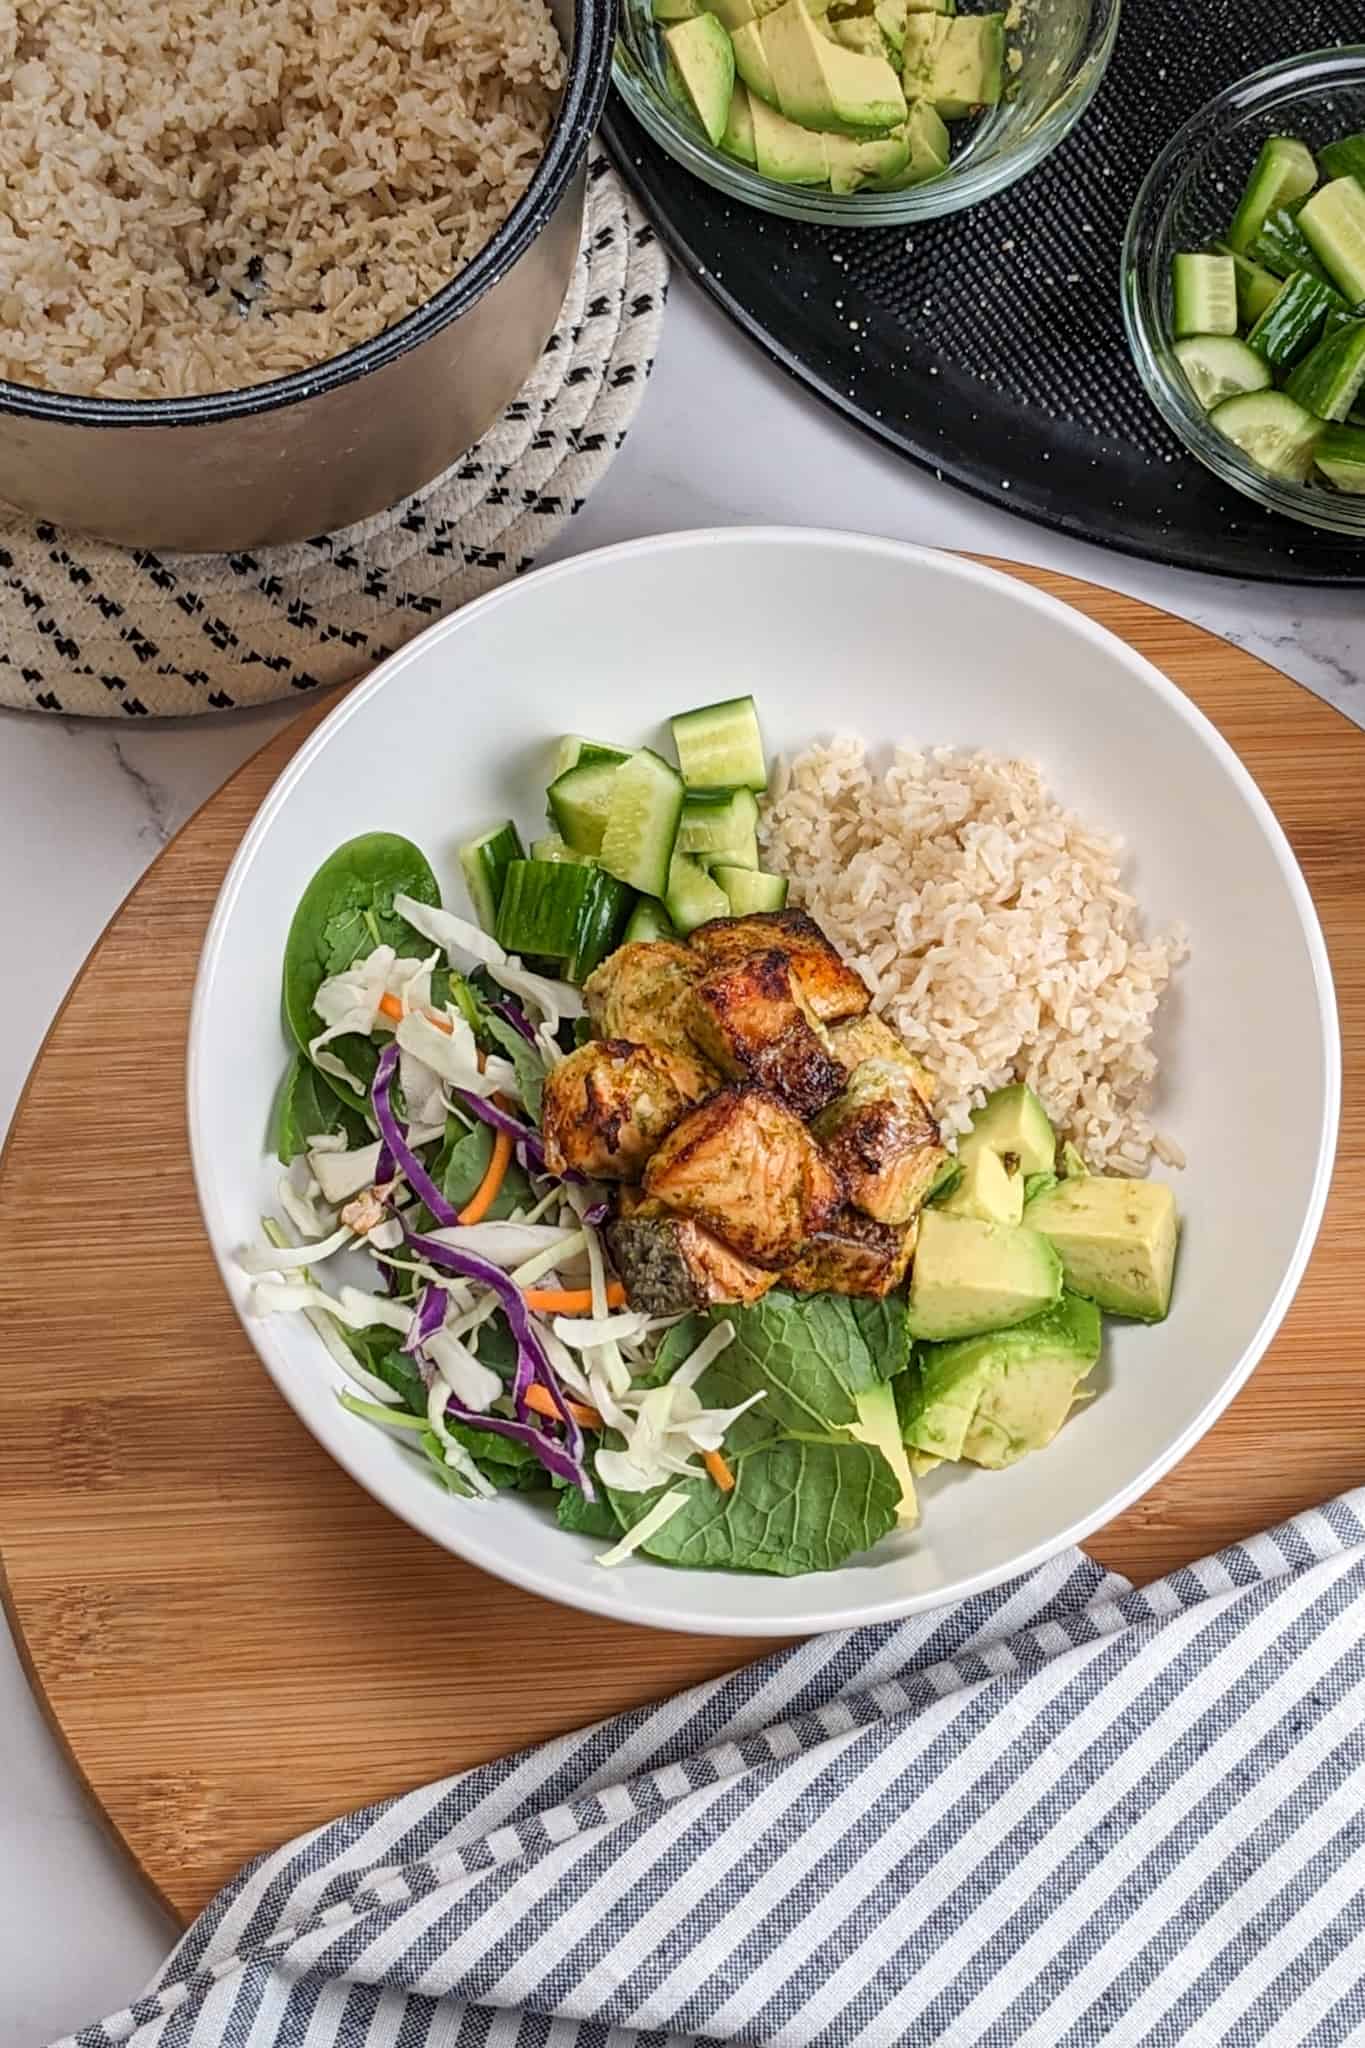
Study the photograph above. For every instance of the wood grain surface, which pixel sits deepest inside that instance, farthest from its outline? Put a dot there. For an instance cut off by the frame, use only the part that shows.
(232, 1640)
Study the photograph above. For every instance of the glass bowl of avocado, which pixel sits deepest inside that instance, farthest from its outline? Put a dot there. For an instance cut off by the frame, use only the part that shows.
(1244, 287)
(861, 112)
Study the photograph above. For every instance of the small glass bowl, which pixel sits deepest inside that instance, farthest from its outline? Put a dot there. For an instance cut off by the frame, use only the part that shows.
(1063, 47)
(1186, 201)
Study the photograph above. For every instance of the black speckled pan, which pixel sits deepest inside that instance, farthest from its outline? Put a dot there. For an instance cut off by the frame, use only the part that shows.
(989, 347)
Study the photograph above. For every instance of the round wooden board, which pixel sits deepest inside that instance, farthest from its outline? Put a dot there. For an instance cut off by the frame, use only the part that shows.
(232, 1640)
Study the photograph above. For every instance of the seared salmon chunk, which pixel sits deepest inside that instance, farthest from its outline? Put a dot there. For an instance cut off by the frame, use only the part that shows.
(853, 1255)
(744, 1167)
(607, 1106)
(751, 1020)
(670, 1264)
(882, 1142)
(642, 992)
(833, 989)
(871, 1038)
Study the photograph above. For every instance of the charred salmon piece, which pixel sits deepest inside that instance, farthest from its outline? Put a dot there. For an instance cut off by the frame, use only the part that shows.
(641, 992)
(607, 1106)
(833, 989)
(669, 1264)
(853, 1255)
(872, 1038)
(748, 1170)
(751, 1020)
(882, 1142)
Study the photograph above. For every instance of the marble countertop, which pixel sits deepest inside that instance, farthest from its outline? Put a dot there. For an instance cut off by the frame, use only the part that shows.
(722, 439)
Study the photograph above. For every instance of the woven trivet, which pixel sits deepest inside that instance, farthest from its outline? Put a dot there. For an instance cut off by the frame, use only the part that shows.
(91, 630)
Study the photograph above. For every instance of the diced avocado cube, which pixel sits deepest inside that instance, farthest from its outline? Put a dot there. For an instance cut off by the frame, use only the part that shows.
(855, 164)
(1013, 1124)
(928, 144)
(992, 1399)
(890, 17)
(751, 62)
(702, 60)
(1116, 1239)
(987, 1190)
(879, 1425)
(791, 155)
(738, 139)
(732, 14)
(969, 1276)
(675, 10)
(957, 61)
(861, 33)
(822, 85)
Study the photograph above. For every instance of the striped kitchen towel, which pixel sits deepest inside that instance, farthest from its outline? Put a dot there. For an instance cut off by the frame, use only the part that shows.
(1064, 1812)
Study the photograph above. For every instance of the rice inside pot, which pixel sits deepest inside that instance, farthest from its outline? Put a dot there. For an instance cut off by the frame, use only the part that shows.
(200, 197)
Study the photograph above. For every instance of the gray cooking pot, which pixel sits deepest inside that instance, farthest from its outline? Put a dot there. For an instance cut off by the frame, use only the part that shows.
(327, 446)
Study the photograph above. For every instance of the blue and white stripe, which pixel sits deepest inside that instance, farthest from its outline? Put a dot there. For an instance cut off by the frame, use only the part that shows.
(1065, 1812)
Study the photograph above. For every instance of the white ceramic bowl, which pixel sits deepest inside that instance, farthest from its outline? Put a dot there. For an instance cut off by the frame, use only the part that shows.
(830, 631)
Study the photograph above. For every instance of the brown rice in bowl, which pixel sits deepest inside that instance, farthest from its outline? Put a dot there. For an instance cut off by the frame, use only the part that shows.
(993, 927)
(203, 199)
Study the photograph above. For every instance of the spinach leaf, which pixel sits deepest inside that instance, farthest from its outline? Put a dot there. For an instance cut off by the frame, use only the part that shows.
(529, 1066)
(808, 1350)
(465, 1167)
(345, 912)
(798, 1505)
(510, 1466)
(307, 1107)
(587, 1517)
(496, 1347)
(380, 1352)
(885, 1329)
(807, 1495)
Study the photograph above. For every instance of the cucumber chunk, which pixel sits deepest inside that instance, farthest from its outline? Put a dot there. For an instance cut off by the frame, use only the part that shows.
(1278, 435)
(573, 751)
(1294, 321)
(721, 827)
(642, 822)
(552, 847)
(601, 924)
(1329, 380)
(720, 746)
(1344, 158)
(649, 920)
(578, 801)
(750, 890)
(484, 862)
(1255, 287)
(1283, 172)
(542, 902)
(1333, 223)
(1218, 366)
(1341, 458)
(691, 897)
(1204, 292)
(1281, 247)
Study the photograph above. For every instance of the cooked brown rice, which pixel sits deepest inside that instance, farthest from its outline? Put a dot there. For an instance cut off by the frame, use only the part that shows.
(993, 928)
(200, 197)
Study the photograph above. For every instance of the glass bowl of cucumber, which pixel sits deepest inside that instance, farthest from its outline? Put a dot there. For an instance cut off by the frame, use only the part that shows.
(861, 112)
(1244, 287)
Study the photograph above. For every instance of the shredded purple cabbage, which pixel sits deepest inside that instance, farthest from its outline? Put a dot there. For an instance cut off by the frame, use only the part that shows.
(431, 1314)
(551, 1456)
(527, 1137)
(597, 1214)
(532, 1364)
(394, 1137)
(513, 1014)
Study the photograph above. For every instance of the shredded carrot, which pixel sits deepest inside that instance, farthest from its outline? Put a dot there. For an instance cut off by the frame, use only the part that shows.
(720, 1471)
(485, 1194)
(391, 1007)
(543, 1402)
(572, 1301)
